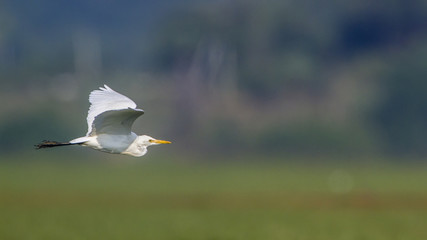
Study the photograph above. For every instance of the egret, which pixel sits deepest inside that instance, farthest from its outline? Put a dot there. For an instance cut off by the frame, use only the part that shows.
(110, 118)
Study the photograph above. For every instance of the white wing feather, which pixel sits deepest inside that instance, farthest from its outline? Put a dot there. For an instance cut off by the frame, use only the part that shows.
(108, 100)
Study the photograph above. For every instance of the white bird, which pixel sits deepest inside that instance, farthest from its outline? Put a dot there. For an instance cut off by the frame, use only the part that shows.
(109, 121)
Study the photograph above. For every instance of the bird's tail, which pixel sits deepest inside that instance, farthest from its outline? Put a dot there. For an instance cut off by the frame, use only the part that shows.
(49, 144)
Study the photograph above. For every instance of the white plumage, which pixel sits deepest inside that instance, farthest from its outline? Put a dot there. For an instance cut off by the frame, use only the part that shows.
(106, 99)
(110, 118)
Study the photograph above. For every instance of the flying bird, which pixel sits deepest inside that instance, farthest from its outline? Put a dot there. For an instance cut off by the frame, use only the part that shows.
(109, 121)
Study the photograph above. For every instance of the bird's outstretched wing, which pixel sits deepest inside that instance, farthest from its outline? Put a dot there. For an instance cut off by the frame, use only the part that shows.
(116, 122)
(110, 112)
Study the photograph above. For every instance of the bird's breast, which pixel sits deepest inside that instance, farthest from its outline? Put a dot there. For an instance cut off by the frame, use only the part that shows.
(115, 143)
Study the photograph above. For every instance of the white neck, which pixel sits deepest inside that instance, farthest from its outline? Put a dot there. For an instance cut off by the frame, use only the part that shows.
(135, 149)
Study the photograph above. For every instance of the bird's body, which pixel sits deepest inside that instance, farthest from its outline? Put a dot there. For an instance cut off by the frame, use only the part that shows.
(110, 120)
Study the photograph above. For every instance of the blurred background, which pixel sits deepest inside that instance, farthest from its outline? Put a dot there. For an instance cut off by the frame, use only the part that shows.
(297, 113)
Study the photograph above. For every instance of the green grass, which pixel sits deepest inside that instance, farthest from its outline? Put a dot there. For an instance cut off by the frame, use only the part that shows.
(150, 199)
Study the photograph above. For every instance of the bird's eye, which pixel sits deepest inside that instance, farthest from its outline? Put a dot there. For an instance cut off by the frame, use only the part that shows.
(150, 140)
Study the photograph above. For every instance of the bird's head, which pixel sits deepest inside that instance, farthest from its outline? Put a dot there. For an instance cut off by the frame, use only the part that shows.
(146, 141)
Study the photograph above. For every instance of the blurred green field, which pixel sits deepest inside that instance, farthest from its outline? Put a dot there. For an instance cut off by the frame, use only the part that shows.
(158, 199)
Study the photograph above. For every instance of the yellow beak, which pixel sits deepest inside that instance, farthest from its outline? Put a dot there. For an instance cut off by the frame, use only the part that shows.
(160, 141)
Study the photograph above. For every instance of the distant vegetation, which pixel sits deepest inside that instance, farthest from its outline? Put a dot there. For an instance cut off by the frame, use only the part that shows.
(300, 77)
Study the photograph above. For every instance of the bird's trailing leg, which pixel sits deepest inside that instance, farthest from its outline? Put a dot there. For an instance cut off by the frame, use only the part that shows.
(49, 144)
